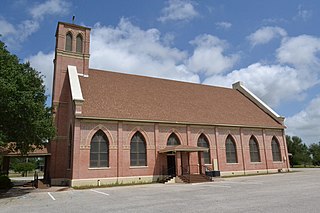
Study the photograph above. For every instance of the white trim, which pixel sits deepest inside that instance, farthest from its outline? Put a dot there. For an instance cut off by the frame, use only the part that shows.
(98, 168)
(75, 83)
(83, 75)
(246, 92)
(138, 167)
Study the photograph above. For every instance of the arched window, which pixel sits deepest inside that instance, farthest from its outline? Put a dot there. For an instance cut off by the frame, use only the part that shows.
(231, 150)
(99, 150)
(69, 41)
(79, 44)
(276, 154)
(203, 142)
(173, 140)
(254, 150)
(138, 156)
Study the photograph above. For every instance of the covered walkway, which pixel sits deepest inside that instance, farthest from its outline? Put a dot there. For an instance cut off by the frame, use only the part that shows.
(178, 160)
(40, 152)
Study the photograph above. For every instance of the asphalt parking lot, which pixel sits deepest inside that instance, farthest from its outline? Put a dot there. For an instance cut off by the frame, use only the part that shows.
(285, 192)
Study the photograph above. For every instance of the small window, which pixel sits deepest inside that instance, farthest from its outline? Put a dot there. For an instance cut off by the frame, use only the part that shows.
(231, 150)
(138, 156)
(79, 44)
(254, 150)
(69, 41)
(203, 142)
(173, 140)
(99, 150)
(276, 154)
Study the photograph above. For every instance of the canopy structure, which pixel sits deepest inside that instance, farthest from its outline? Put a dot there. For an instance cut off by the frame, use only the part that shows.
(183, 148)
(37, 152)
(7, 153)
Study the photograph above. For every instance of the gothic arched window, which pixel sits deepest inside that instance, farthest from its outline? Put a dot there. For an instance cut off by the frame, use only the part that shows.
(138, 151)
(79, 43)
(276, 154)
(173, 140)
(99, 150)
(69, 41)
(254, 150)
(203, 142)
(231, 150)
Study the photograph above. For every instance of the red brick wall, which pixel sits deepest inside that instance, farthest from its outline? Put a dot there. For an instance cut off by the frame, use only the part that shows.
(156, 138)
(63, 108)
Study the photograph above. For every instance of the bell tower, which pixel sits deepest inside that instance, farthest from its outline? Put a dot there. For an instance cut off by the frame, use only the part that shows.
(72, 48)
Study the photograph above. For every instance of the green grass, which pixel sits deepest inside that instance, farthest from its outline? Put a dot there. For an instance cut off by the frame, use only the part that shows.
(305, 166)
(16, 174)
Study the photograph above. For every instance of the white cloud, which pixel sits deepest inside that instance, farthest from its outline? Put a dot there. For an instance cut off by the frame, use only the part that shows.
(26, 28)
(14, 35)
(208, 56)
(304, 14)
(50, 7)
(301, 51)
(6, 28)
(305, 124)
(266, 34)
(127, 48)
(178, 10)
(223, 25)
(296, 70)
(272, 83)
(43, 63)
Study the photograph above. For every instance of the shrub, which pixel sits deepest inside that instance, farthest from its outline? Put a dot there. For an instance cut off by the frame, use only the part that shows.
(5, 182)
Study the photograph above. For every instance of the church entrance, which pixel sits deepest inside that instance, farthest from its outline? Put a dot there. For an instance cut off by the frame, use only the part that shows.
(171, 165)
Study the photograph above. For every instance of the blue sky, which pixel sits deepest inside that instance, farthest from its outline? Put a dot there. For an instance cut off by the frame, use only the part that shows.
(272, 46)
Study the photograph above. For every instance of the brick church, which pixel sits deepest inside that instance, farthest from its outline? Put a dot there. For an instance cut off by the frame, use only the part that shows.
(121, 128)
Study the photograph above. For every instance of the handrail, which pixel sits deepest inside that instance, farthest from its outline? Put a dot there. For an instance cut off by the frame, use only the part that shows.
(207, 172)
(185, 171)
(165, 172)
(169, 169)
(204, 169)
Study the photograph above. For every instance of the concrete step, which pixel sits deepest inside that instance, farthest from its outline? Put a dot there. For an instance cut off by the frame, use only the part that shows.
(194, 178)
(166, 179)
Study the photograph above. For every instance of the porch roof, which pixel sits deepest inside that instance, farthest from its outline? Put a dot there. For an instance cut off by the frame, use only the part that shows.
(37, 152)
(183, 148)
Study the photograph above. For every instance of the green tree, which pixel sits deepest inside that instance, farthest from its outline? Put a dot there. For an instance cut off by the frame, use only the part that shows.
(23, 165)
(315, 152)
(299, 150)
(24, 117)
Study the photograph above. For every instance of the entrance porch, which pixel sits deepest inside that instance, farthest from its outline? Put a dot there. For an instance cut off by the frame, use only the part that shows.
(7, 154)
(178, 163)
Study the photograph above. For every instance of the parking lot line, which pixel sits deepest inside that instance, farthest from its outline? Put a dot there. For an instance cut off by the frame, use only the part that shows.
(99, 192)
(51, 196)
(199, 183)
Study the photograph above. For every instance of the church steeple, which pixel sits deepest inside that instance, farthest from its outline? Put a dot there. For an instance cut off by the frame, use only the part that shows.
(71, 59)
(72, 48)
